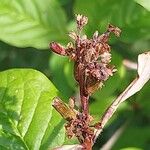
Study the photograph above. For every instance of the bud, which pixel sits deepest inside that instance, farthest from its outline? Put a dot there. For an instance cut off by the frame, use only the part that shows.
(114, 29)
(73, 35)
(81, 21)
(95, 35)
(65, 111)
(57, 48)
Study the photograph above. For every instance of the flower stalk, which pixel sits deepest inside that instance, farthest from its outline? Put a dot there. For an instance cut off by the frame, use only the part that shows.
(92, 68)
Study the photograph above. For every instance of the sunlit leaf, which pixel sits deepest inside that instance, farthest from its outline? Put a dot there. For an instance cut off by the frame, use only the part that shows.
(61, 74)
(33, 23)
(27, 120)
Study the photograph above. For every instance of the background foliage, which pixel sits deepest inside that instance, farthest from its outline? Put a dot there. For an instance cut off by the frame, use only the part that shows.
(26, 28)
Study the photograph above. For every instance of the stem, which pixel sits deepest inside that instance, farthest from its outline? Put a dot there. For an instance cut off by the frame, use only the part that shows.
(85, 105)
(83, 95)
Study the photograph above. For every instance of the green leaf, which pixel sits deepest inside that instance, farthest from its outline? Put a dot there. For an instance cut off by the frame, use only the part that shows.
(144, 3)
(31, 23)
(61, 71)
(27, 119)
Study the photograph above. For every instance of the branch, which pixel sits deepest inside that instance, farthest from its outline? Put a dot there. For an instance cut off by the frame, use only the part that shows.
(135, 86)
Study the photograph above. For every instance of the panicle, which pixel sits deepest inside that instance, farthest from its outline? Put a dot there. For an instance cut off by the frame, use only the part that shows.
(92, 55)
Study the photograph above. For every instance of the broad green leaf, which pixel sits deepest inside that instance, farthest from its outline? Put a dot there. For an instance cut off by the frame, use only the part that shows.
(31, 23)
(144, 3)
(69, 74)
(27, 120)
(61, 73)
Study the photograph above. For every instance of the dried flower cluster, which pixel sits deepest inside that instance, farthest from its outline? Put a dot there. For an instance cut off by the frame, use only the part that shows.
(92, 67)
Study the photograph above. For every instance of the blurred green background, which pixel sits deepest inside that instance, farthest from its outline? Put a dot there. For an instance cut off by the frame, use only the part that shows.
(27, 27)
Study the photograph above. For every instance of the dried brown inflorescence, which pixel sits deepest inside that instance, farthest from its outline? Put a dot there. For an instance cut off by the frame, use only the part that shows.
(92, 67)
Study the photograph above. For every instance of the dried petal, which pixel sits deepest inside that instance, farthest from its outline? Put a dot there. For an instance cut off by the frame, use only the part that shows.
(70, 45)
(114, 29)
(104, 37)
(71, 102)
(66, 112)
(73, 35)
(57, 48)
(105, 57)
(84, 37)
(81, 21)
(89, 55)
(95, 36)
(70, 51)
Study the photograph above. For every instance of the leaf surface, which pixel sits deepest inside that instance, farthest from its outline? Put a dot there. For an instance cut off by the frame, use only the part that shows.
(27, 119)
(31, 23)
